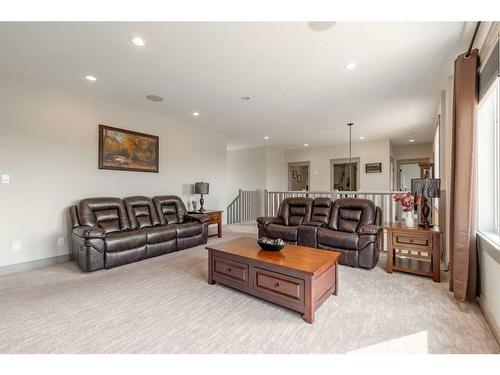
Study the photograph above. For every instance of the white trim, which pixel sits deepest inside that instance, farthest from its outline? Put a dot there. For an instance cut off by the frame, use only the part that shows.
(490, 320)
(35, 264)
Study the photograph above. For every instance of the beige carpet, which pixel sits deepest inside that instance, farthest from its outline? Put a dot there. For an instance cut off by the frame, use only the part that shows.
(164, 305)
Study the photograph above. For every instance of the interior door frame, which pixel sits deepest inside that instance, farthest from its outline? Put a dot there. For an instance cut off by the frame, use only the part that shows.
(407, 161)
(299, 164)
(355, 160)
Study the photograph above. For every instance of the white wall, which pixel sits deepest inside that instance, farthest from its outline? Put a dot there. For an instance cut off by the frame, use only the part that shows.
(367, 152)
(49, 147)
(413, 151)
(255, 168)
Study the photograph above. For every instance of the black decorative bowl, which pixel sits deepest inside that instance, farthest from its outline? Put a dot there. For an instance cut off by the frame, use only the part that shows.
(270, 245)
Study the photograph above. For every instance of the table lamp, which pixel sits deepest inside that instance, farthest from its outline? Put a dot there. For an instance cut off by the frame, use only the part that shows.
(426, 188)
(201, 188)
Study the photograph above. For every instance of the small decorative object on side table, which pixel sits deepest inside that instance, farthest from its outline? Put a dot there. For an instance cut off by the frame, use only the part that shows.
(407, 202)
(214, 217)
(201, 188)
(414, 250)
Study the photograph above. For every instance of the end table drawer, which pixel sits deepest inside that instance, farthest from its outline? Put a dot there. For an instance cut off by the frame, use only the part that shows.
(279, 285)
(213, 217)
(409, 240)
(232, 270)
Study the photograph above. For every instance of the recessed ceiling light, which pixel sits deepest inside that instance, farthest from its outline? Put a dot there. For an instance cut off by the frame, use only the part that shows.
(266, 137)
(412, 140)
(352, 65)
(306, 144)
(245, 98)
(137, 41)
(91, 78)
(154, 98)
(361, 137)
(196, 114)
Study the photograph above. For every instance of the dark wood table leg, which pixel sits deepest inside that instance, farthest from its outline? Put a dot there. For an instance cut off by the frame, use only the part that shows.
(210, 268)
(436, 258)
(309, 300)
(219, 225)
(336, 290)
(390, 253)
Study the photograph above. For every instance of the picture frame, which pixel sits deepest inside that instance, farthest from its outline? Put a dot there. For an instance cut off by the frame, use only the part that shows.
(127, 150)
(373, 168)
(294, 175)
(299, 178)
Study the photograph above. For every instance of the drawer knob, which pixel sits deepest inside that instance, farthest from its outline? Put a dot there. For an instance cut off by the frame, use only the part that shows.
(276, 285)
(229, 270)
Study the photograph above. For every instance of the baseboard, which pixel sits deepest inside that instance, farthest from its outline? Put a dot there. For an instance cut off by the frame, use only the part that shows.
(40, 263)
(490, 320)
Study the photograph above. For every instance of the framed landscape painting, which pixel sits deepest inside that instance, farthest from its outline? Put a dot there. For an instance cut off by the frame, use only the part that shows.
(126, 150)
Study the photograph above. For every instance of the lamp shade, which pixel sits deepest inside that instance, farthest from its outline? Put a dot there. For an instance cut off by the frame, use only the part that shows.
(201, 188)
(426, 187)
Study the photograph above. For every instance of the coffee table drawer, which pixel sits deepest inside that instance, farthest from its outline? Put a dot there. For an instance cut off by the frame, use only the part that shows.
(278, 285)
(230, 269)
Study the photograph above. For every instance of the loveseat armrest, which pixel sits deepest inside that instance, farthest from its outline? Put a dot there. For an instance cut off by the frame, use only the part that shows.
(266, 220)
(86, 231)
(314, 224)
(201, 218)
(369, 229)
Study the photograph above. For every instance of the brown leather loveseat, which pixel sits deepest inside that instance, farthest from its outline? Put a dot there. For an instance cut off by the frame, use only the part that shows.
(348, 225)
(109, 232)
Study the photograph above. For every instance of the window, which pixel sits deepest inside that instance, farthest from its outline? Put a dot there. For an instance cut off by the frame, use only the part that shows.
(488, 174)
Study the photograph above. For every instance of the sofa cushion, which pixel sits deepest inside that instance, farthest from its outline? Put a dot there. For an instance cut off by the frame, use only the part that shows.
(338, 239)
(170, 209)
(188, 229)
(141, 212)
(293, 211)
(286, 233)
(321, 210)
(120, 241)
(161, 233)
(109, 214)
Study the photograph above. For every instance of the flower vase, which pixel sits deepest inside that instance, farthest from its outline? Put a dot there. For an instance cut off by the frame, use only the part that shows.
(409, 222)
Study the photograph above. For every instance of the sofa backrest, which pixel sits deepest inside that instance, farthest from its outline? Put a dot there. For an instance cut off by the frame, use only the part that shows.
(109, 214)
(141, 212)
(170, 209)
(349, 213)
(294, 211)
(321, 210)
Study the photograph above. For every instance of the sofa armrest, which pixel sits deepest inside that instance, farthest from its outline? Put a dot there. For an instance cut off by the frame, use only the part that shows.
(269, 220)
(314, 224)
(86, 231)
(201, 218)
(369, 229)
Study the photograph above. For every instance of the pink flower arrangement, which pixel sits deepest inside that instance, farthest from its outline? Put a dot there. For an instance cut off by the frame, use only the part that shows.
(406, 200)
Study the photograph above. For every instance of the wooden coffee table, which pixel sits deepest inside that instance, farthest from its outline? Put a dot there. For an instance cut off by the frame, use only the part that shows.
(297, 277)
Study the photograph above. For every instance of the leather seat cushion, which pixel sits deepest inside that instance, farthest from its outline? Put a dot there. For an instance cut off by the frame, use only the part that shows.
(281, 231)
(338, 239)
(188, 229)
(120, 241)
(161, 233)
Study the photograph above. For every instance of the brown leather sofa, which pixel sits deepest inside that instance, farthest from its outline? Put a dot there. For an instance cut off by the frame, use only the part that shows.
(351, 226)
(110, 232)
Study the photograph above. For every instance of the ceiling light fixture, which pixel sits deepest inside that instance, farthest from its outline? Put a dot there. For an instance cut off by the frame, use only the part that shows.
(306, 144)
(196, 114)
(412, 140)
(91, 78)
(352, 65)
(266, 137)
(361, 137)
(154, 98)
(137, 41)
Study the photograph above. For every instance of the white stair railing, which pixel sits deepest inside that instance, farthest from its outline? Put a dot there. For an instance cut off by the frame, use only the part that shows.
(245, 208)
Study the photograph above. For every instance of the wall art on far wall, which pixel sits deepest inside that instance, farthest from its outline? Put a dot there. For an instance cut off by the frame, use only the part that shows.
(126, 150)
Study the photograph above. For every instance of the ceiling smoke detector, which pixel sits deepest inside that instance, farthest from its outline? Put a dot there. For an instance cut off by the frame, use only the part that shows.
(154, 98)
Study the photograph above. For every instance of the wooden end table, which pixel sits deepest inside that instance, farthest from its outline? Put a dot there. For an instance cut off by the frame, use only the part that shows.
(214, 217)
(414, 250)
(297, 277)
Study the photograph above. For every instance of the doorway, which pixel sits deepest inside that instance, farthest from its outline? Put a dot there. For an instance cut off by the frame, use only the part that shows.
(340, 172)
(408, 169)
(298, 176)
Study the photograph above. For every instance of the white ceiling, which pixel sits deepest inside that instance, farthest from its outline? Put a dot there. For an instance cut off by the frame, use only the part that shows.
(293, 71)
